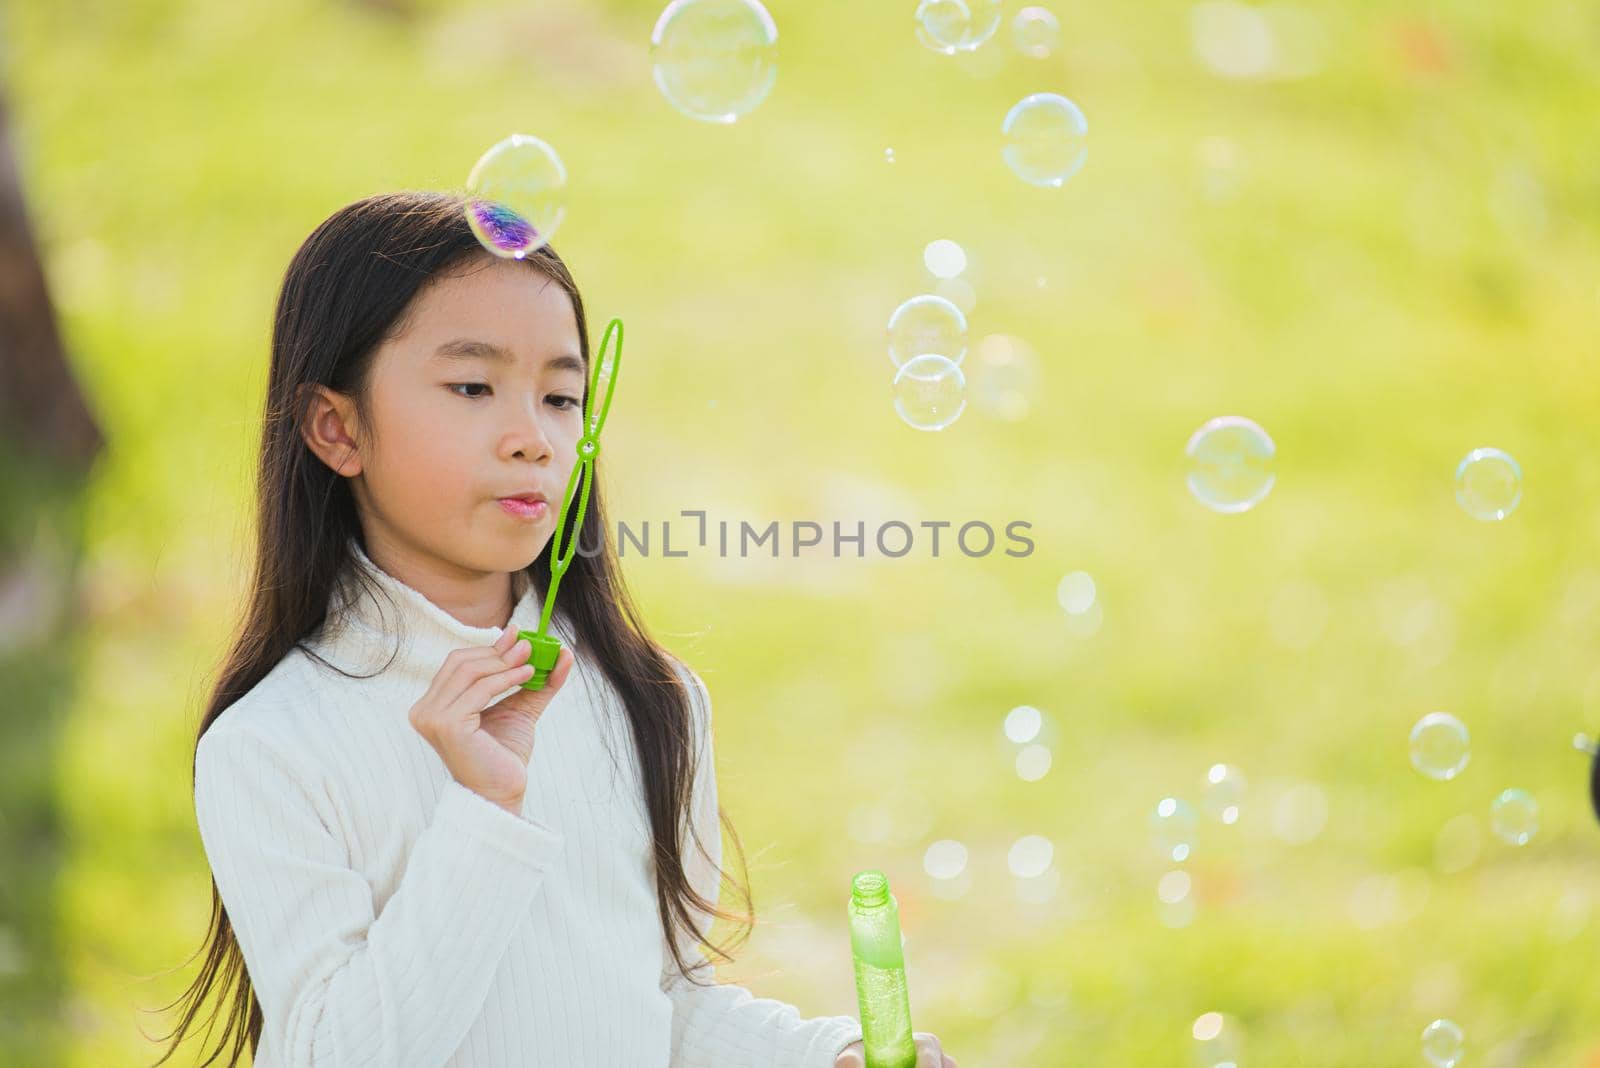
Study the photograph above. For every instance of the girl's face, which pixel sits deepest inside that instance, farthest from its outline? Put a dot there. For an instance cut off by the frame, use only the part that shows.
(479, 397)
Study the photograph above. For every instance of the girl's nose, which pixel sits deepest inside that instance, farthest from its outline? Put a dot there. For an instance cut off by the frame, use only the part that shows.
(527, 436)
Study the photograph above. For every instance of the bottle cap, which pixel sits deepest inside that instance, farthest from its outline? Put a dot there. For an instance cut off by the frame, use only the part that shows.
(546, 649)
(870, 887)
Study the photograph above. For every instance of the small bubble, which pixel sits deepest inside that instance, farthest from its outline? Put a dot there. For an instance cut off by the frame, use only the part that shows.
(945, 859)
(927, 325)
(1440, 746)
(1023, 723)
(929, 392)
(1030, 856)
(1488, 484)
(1076, 592)
(944, 258)
(1223, 792)
(1514, 815)
(1172, 828)
(1173, 887)
(1046, 139)
(1036, 32)
(951, 26)
(1441, 1044)
(1230, 464)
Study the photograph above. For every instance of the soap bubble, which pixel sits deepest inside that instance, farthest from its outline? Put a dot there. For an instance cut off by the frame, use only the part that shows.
(1172, 828)
(1173, 887)
(1030, 856)
(1046, 139)
(1076, 592)
(929, 392)
(1223, 793)
(951, 26)
(927, 324)
(1441, 1044)
(715, 60)
(516, 196)
(944, 258)
(1219, 1040)
(1439, 746)
(1035, 32)
(1230, 464)
(1025, 739)
(945, 859)
(1023, 724)
(1515, 816)
(1488, 484)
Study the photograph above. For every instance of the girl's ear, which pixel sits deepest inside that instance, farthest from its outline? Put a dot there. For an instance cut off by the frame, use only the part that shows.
(331, 430)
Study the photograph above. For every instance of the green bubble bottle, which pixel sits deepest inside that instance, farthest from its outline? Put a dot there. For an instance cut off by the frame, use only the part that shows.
(880, 973)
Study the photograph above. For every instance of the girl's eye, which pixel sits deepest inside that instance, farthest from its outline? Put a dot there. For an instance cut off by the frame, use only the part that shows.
(560, 400)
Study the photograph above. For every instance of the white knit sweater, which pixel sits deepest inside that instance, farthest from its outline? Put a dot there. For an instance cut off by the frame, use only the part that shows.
(389, 916)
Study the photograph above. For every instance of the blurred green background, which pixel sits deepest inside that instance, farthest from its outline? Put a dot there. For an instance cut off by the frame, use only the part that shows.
(1385, 252)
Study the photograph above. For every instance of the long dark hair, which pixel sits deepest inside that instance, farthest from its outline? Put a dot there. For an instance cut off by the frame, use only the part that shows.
(346, 288)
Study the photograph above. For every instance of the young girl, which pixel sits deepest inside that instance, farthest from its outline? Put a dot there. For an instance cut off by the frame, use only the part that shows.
(416, 862)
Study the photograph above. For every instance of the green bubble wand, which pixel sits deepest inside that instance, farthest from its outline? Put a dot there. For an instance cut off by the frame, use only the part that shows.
(546, 646)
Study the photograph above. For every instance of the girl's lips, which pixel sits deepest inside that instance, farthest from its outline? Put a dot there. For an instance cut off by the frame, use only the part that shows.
(524, 509)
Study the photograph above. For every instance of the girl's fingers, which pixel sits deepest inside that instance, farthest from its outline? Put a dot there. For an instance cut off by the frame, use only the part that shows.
(929, 1053)
(504, 642)
(476, 697)
(474, 664)
(563, 667)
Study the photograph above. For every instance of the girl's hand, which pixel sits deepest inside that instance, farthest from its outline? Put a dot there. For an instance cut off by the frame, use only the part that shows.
(487, 749)
(929, 1054)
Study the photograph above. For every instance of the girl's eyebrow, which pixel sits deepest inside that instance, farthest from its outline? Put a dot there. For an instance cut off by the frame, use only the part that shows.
(465, 349)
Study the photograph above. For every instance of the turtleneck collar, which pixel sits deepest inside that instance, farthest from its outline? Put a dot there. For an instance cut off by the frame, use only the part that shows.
(363, 630)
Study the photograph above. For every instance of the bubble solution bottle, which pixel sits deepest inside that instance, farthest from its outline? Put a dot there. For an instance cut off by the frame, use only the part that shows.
(880, 973)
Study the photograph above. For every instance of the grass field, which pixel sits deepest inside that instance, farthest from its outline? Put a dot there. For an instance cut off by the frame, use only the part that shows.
(1386, 263)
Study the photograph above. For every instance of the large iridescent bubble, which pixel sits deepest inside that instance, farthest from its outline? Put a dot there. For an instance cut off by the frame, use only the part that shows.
(516, 196)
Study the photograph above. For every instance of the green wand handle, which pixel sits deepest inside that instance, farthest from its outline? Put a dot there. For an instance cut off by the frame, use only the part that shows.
(546, 646)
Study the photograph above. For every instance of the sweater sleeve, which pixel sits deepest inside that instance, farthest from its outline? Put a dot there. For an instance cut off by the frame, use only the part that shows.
(338, 984)
(724, 1025)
